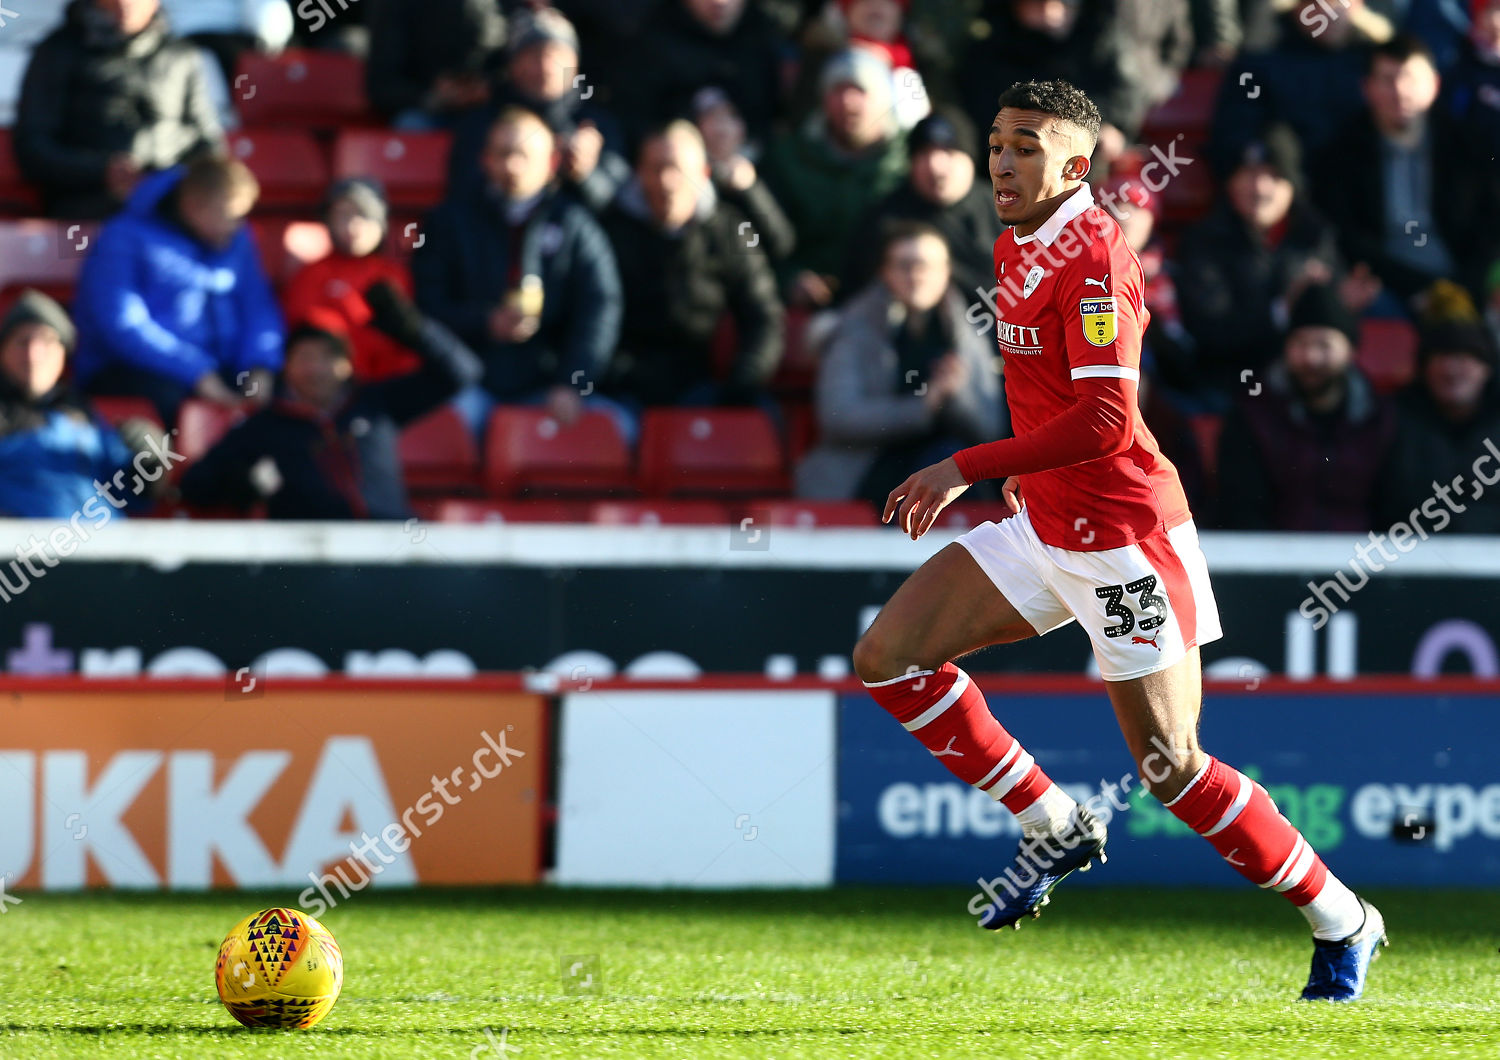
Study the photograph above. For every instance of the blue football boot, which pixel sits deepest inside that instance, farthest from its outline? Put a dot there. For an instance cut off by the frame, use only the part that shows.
(1042, 862)
(1339, 967)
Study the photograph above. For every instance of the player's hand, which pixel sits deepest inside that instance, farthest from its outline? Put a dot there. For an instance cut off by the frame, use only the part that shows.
(919, 500)
(1011, 491)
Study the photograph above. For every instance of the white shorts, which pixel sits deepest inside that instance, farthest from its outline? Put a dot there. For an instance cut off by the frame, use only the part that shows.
(1143, 605)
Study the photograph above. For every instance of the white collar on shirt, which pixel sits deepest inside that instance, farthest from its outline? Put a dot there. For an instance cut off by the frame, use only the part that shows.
(1081, 199)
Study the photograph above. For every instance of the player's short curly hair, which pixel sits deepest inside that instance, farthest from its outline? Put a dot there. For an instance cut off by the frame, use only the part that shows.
(1057, 98)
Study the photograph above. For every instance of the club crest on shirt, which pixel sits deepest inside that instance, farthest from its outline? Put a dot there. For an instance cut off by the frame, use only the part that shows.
(1098, 320)
(1033, 278)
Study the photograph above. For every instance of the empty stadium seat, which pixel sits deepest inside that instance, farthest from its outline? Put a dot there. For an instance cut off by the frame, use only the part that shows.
(1387, 352)
(710, 451)
(301, 88)
(44, 254)
(527, 449)
(1189, 110)
(200, 425)
(289, 164)
(413, 166)
(438, 453)
(16, 196)
(117, 410)
(661, 513)
(809, 514)
(287, 246)
(465, 510)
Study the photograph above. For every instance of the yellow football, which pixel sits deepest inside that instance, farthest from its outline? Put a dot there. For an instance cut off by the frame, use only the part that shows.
(279, 968)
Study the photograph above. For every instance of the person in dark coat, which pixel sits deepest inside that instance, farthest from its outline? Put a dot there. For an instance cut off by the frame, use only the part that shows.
(1447, 430)
(430, 60)
(327, 447)
(108, 98)
(1471, 89)
(688, 44)
(737, 179)
(1405, 187)
(542, 74)
(523, 274)
(1304, 447)
(940, 190)
(685, 262)
(1237, 270)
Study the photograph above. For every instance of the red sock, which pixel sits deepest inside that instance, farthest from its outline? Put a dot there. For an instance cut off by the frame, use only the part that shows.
(1235, 814)
(949, 715)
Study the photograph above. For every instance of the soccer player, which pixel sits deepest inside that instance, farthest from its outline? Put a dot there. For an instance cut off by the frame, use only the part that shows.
(1101, 534)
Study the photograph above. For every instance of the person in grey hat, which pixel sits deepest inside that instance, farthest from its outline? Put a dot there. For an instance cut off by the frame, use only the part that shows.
(541, 73)
(53, 447)
(940, 190)
(843, 160)
(1303, 448)
(1447, 428)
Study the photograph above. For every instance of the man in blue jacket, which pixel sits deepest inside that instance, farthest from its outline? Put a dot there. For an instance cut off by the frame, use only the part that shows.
(524, 275)
(174, 303)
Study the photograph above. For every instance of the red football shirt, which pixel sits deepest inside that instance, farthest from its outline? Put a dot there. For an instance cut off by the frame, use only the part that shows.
(1071, 310)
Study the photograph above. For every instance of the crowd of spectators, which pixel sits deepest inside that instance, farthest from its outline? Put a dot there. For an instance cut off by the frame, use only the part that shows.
(645, 200)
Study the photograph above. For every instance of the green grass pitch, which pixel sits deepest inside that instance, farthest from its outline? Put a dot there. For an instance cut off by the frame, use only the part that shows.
(842, 973)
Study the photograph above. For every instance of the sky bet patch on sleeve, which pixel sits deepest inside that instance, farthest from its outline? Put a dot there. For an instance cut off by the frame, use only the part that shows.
(1098, 320)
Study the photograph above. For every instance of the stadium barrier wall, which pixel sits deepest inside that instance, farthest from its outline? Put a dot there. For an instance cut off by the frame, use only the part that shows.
(715, 782)
(189, 785)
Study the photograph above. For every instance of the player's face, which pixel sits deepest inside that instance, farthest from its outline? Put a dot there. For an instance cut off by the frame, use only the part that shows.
(916, 272)
(1455, 380)
(315, 371)
(941, 175)
(1034, 159)
(1317, 357)
(519, 159)
(33, 358)
(1400, 93)
(673, 172)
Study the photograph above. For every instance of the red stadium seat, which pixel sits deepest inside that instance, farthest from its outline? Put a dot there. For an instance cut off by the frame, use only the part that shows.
(1189, 110)
(413, 167)
(44, 254)
(289, 164)
(286, 247)
(1387, 352)
(302, 88)
(529, 450)
(1188, 196)
(16, 196)
(438, 453)
(200, 425)
(798, 370)
(463, 510)
(809, 514)
(116, 410)
(660, 513)
(709, 451)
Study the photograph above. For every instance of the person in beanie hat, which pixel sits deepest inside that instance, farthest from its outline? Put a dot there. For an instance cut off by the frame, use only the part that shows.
(941, 189)
(1447, 424)
(1303, 448)
(356, 214)
(846, 158)
(53, 447)
(327, 447)
(1240, 268)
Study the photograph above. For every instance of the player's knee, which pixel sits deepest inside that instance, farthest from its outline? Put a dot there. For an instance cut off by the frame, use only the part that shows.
(877, 658)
